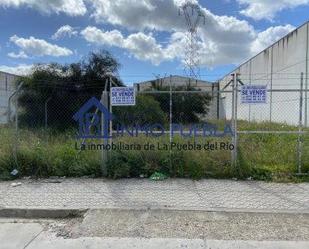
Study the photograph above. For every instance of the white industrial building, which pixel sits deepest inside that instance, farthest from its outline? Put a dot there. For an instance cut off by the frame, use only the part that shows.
(7, 87)
(175, 81)
(279, 67)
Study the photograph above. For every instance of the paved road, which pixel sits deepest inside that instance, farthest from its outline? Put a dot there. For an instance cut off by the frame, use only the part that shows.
(191, 225)
(178, 194)
(35, 236)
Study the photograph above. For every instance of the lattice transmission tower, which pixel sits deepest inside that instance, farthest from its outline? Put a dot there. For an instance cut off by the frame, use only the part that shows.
(194, 17)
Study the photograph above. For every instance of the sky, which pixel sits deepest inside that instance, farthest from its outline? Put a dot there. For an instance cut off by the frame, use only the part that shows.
(147, 37)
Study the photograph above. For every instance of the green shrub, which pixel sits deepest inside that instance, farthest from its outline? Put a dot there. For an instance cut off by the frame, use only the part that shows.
(136, 163)
(261, 174)
(146, 163)
(118, 166)
(195, 170)
(174, 164)
(146, 111)
(7, 164)
(5, 176)
(187, 108)
(33, 163)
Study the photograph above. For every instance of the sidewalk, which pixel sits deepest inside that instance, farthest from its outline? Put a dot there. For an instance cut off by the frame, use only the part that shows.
(178, 194)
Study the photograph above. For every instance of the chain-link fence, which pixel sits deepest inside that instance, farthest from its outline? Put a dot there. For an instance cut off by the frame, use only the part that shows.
(181, 131)
(272, 135)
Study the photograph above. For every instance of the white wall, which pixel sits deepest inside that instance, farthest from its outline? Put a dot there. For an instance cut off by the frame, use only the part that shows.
(278, 67)
(7, 87)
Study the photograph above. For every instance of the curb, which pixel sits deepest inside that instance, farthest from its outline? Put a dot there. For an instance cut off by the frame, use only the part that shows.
(210, 210)
(41, 213)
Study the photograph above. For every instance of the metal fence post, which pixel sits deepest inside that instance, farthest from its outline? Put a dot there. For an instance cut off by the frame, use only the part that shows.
(171, 109)
(306, 76)
(104, 101)
(16, 132)
(234, 117)
(110, 105)
(46, 112)
(14, 94)
(218, 100)
(300, 128)
(235, 120)
(171, 119)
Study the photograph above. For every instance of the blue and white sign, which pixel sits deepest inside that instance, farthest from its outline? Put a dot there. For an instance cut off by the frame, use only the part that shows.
(122, 96)
(254, 94)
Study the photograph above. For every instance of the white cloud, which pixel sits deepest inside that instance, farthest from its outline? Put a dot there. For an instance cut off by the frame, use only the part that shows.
(20, 55)
(212, 52)
(222, 40)
(219, 35)
(145, 47)
(95, 35)
(267, 9)
(69, 7)
(142, 46)
(63, 31)
(38, 47)
(139, 14)
(270, 36)
(21, 69)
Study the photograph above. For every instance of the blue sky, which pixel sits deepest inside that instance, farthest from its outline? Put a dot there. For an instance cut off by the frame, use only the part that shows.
(146, 36)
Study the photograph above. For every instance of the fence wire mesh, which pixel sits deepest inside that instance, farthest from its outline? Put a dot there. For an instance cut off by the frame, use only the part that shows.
(270, 137)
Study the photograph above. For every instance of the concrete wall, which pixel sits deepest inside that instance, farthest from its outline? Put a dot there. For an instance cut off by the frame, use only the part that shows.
(177, 81)
(278, 67)
(7, 87)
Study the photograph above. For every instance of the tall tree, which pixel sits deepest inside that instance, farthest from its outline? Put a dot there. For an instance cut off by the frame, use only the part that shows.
(189, 104)
(64, 88)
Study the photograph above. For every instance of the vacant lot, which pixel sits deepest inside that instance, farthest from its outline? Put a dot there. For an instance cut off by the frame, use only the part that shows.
(45, 153)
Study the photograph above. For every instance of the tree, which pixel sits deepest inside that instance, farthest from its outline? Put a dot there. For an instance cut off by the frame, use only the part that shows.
(65, 88)
(146, 111)
(189, 105)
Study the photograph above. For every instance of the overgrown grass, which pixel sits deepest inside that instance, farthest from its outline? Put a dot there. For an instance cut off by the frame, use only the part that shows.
(43, 154)
(49, 153)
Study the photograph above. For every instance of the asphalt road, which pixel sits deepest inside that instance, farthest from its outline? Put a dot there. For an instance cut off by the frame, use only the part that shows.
(128, 229)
